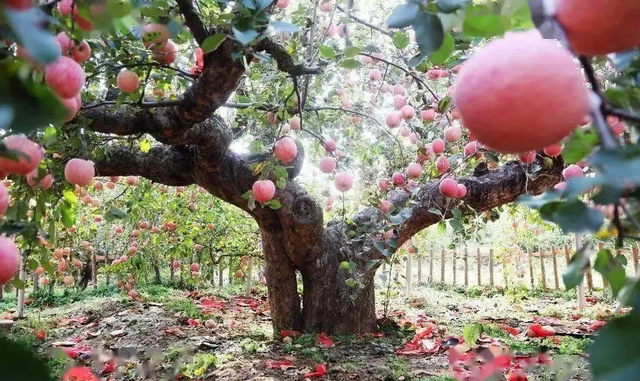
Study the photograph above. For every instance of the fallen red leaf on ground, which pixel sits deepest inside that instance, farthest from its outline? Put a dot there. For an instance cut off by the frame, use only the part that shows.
(324, 340)
(275, 364)
(537, 330)
(321, 370)
(285, 333)
(193, 322)
(510, 329)
(109, 367)
(595, 326)
(79, 373)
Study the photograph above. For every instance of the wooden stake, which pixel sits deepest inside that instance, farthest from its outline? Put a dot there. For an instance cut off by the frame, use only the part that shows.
(249, 277)
(230, 270)
(431, 255)
(491, 267)
(567, 255)
(582, 300)
(23, 277)
(220, 274)
(466, 267)
(419, 259)
(455, 258)
(409, 274)
(479, 263)
(106, 260)
(543, 272)
(442, 267)
(171, 269)
(531, 275)
(556, 280)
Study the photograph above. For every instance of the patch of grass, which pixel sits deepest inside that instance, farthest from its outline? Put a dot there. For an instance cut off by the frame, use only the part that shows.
(306, 340)
(314, 353)
(185, 307)
(156, 293)
(199, 365)
(43, 298)
(570, 346)
(346, 339)
(437, 378)
(251, 347)
(172, 354)
(398, 366)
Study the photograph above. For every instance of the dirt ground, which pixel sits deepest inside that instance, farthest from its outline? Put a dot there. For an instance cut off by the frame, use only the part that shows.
(163, 336)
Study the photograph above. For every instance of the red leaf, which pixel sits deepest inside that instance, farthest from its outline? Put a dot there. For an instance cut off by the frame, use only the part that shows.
(321, 370)
(285, 333)
(516, 375)
(109, 367)
(510, 329)
(536, 330)
(503, 361)
(274, 364)
(324, 340)
(193, 322)
(79, 373)
(597, 325)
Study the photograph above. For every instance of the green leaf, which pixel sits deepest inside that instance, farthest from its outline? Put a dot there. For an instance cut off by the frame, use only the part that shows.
(32, 264)
(327, 52)
(213, 42)
(403, 15)
(69, 196)
(441, 55)
(350, 63)
(580, 144)
(274, 204)
(119, 8)
(17, 283)
(351, 51)
(116, 212)
(32, 105)
(68, 215)
(615, 353)
(479, 21)
(429, 32)
(350, 282)
(37, 41)
(145, 145)
(285, 27)
(471, 333)
(611, 270)
(400, 40)
(256, 146)
(578, 265)
(245, 36)
(21, 364)
(449, 6)
(573, 216)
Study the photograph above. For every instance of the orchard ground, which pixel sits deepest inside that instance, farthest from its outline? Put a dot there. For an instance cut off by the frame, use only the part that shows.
(165, 331)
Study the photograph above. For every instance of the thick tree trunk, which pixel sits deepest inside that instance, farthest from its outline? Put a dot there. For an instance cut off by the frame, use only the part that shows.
(328, 304)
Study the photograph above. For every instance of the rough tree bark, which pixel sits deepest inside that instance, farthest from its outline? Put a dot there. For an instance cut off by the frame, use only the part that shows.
(194, 149)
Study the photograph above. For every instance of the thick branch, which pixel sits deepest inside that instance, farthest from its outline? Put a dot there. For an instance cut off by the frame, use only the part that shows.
(485, 191)
(163, 164)
(284, 60)
(192, 19)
